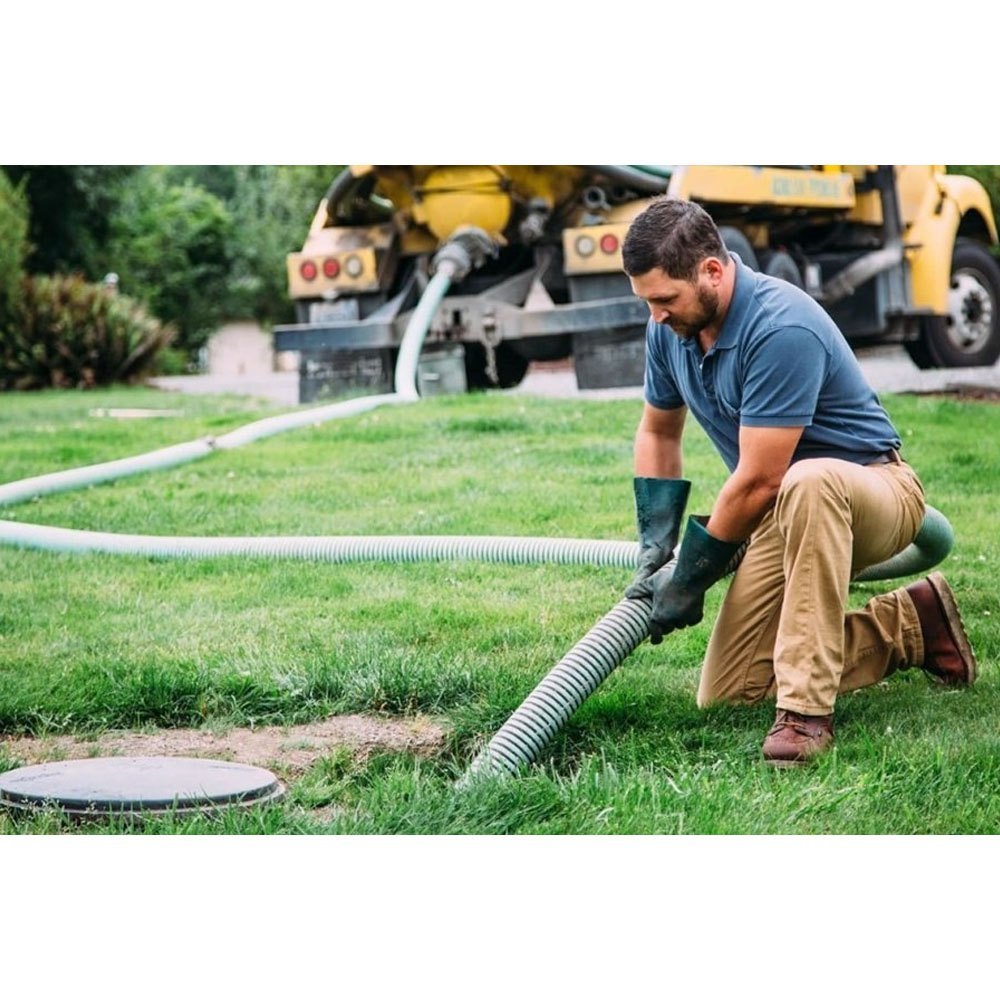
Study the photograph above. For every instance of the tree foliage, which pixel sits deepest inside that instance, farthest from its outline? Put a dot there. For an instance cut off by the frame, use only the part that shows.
(171, 246)
(71, 212)
(14, 246)
(195, 244)
(271, 208)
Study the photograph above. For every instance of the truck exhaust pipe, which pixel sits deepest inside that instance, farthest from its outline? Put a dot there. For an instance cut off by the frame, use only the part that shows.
(858, 272)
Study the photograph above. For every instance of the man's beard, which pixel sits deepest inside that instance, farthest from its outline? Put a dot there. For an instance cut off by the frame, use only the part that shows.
(708, 302)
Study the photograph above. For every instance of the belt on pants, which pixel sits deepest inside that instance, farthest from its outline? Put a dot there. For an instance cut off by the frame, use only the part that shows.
(890, 457)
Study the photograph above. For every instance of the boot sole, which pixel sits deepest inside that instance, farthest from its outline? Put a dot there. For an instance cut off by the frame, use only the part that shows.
(956, 628)
(801, 762)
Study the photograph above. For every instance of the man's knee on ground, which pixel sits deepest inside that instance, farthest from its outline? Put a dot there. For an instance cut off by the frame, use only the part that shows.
(707, 698)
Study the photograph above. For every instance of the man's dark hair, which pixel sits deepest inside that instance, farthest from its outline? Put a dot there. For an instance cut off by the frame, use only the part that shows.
(674, 235)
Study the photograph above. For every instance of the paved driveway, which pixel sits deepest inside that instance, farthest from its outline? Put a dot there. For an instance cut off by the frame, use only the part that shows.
(888, 369)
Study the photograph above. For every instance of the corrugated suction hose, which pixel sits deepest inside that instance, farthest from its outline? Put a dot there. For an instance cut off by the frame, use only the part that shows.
(563, 690)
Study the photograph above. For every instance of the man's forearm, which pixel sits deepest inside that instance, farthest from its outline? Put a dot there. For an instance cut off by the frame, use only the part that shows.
(740, 507)
(657, 457)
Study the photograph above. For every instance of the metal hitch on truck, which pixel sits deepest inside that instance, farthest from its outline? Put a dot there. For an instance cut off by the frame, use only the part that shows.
(896, 254)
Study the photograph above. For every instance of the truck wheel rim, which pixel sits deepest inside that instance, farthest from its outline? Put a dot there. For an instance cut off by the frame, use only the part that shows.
(970, 312)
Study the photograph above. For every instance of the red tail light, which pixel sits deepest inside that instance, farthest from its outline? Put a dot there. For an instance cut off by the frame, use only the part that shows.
(308, 270)
(331, 267)
(609, 243)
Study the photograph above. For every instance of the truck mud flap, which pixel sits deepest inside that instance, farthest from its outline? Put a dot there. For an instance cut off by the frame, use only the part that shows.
(609, 359)
(329, 374)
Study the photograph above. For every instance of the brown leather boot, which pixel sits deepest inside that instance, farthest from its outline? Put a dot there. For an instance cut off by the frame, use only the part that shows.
(795, 739)
(948, 656)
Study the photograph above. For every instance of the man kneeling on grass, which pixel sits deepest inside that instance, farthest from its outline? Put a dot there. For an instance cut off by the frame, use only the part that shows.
(817, 490)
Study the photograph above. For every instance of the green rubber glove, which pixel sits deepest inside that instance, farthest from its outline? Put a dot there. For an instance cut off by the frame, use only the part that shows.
(659, 509)
(678, 591)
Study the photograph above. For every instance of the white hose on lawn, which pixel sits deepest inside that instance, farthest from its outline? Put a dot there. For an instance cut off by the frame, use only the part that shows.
(179, 454)
(405, 380)
(409, 349)
(335, 549)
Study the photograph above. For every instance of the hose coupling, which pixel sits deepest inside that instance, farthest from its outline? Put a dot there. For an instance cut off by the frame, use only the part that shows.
(467, 248)
(532, 227)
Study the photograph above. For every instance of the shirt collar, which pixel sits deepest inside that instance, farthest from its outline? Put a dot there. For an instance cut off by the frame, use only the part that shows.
(738, 305)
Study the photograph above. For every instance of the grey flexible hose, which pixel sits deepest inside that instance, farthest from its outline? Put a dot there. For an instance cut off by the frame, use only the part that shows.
(636, 178)
(71, 479)
(562, 691)
(934, 541)
(188, 451)
(844, 282)
(409, 351)
(513, 550)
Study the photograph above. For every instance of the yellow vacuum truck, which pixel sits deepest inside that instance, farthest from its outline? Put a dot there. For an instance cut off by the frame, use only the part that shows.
(896, 254)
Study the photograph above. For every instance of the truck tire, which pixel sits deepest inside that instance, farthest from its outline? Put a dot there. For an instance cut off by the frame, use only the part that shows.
(511, 367)
(917, 349)
(740, 245)
(779, 264)
(969, 336)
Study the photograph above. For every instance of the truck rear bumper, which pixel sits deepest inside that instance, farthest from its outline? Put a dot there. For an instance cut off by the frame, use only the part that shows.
(474, 319)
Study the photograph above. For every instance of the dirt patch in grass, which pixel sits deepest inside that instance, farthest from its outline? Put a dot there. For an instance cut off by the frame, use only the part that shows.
(291, 749)
(975, 393)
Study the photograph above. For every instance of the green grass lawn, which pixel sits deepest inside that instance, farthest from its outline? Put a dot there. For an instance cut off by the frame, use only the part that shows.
(90, 643)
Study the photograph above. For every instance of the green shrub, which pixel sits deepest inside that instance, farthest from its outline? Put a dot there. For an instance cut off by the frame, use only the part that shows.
(197, 245)
(68, 333)
(14, 245)
(173, 361)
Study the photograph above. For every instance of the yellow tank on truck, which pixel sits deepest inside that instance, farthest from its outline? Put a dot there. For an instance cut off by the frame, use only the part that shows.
(759, 186)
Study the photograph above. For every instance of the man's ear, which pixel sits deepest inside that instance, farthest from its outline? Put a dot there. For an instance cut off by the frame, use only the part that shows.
(713, 269)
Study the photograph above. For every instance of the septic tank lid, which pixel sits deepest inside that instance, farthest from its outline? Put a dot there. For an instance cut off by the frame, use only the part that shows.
(102, 785)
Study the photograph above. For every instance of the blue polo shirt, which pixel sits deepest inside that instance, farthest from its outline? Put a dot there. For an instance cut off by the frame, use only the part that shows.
(780, 361)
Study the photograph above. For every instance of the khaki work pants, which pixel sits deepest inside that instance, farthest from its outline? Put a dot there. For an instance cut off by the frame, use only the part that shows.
(782, 629)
